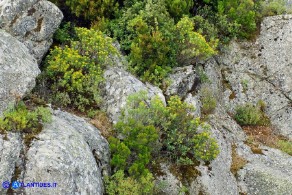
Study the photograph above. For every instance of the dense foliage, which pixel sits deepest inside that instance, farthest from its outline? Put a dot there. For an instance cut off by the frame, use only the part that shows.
(21, 119)
(74, 71)
(151, 128)
(155, 36)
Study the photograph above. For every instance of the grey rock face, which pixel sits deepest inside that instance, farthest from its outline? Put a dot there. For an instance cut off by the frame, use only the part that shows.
(18, 70)
(32, 22)
(10, 147)
(170, 183)
(182, 81)
(267, 174)
(119, 84)
(262, 71)
(216, 178)
(70, 152)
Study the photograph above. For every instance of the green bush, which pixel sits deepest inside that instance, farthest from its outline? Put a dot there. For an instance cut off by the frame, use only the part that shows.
(206, 148)
(178, 8)
(21, 119)
(249, 114)
(65, 33)
(119, 184)
(155, 44)
(90, 9)
(142, 122)
(75, 71)
(134, 152)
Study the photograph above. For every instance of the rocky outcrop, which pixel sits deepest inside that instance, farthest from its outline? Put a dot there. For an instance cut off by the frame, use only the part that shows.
(18, 70)
(266, 174)
(119, 84)
(10, 151)
(70, 152)
(182, 81)
(32, 22)
(262, 71)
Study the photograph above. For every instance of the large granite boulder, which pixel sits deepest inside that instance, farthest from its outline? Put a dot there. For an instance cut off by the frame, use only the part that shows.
(182, 80)
(265, 174)
(10, 152)
(119, 84)
(70, 152)
(262, 71)
(32, 22)
(18, 70)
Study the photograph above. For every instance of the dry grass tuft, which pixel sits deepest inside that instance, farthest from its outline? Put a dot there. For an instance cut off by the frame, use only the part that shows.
(237, 161)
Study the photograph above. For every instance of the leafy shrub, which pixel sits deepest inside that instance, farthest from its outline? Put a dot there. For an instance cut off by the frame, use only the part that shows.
(206, 148)
(249, 114)
(122, 185)
(178, 8)
(192, 45)
(19, 118)
(143, 121)
(90, 9)
(136, 147)
(75, 71)
(155, 44)
(65, 33)
(240, 12)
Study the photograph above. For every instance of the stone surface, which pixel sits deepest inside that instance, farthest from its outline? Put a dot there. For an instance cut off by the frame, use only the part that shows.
(119, 84)
(10, 148)
(70, 152)
(182, 81)
(169, 184)
(18, 70)
(32, 22)
(266, 174)
(262, 71)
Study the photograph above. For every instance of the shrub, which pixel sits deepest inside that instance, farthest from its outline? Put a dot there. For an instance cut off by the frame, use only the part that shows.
(155, 44)
(65, 33)
(192, 45)
(21, 119)
(134, 152)
(178, 8)
(206, 148)
(249, 114)
(143, 121)
(119, 184)
(90, 9)
(74, 72)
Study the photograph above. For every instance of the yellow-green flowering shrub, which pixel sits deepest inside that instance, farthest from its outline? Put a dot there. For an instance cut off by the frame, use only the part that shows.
(75, 71)
(192, 45)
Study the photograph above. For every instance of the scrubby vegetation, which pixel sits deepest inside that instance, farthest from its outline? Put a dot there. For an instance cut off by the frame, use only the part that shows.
(149, 130)
(249, 114)
(155, 36)
(74, 70)
(20, 119)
